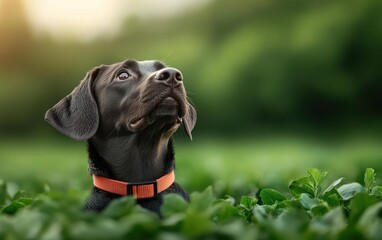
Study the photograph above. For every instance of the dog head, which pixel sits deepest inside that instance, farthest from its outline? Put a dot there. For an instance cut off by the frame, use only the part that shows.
(127, 97)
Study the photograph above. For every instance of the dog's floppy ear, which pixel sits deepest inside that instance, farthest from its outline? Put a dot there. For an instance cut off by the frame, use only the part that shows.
(189, 120)
(76, 115)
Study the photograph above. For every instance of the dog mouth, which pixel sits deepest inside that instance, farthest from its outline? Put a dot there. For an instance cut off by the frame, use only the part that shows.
(137, 124)
(167, 111)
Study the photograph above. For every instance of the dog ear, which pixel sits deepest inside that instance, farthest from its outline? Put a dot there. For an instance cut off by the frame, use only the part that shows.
(189, 120)
(76, 115)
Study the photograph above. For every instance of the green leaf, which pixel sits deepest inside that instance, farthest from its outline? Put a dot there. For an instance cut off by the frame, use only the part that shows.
(248, 202)
(28, 224)
(53, 231)
(227, 199)
(333, 200)
(196, 224)
(19, 194)
(233, 230)
(317, 176)
(286, 204)
(101, 228)
(173, 220)
(302, 185)
(290, 223)
(13, 207)
(119, 207)
(3, 192)
(16, 205)
(225, 212)
(270, 196)
(307, 202)
(316, 206)
(369, 178)
(201, 202)
(172, 204)
(245, 208)
(332, 223)
(262, 213)
(319, 210)
(370, 222)
(328, 191)
(348, 191)
(376, 191)
(358, 205)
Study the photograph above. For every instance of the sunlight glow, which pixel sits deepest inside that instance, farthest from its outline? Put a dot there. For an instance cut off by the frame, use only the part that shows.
(89, 19)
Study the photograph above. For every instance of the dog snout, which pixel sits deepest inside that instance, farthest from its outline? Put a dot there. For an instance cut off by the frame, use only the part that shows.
(169, 76)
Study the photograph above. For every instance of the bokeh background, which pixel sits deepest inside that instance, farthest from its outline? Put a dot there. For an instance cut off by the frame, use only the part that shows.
(279, 86)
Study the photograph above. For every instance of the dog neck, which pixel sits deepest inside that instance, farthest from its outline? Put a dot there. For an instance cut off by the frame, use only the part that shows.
(131, 158)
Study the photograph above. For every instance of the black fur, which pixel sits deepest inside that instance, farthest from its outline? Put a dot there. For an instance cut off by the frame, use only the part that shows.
(128, 121)
(99, 199)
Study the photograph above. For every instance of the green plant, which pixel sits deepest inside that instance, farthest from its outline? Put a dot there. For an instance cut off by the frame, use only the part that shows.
(311, 211)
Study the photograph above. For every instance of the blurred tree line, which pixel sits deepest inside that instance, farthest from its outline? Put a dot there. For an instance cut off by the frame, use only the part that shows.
(248, 65)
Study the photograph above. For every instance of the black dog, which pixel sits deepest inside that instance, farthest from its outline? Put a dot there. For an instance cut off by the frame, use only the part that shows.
(128, 112)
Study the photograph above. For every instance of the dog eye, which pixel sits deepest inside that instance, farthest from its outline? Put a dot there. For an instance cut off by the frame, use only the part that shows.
(123, 76)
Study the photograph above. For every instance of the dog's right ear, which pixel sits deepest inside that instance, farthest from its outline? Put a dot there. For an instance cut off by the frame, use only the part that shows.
(189, 120)
(76, 115)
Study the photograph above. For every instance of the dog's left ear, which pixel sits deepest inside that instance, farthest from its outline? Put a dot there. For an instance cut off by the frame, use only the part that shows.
(76, 115)
(189, 120)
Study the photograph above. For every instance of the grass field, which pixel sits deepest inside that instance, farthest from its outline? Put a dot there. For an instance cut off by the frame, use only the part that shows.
(241, 165)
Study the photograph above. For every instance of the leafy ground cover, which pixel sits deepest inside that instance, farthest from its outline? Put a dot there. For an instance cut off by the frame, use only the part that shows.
(251, 194)
(313, 209)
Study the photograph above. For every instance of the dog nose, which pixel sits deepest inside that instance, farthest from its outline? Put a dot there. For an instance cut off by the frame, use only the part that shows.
(169, 76)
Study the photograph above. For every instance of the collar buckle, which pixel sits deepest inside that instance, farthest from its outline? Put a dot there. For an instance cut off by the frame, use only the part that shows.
(136, 189)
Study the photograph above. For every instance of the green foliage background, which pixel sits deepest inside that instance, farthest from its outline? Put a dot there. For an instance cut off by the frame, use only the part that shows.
(247, 64)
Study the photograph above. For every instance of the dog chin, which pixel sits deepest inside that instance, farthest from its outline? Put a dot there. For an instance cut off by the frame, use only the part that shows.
(165, 116)
(153, 121)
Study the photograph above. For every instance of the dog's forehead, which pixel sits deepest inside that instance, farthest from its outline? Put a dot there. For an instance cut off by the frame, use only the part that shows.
(150, 65)
(145, 66)
(142, 67)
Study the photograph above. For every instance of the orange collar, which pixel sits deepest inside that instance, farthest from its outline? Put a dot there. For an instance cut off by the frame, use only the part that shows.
(138, 190)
